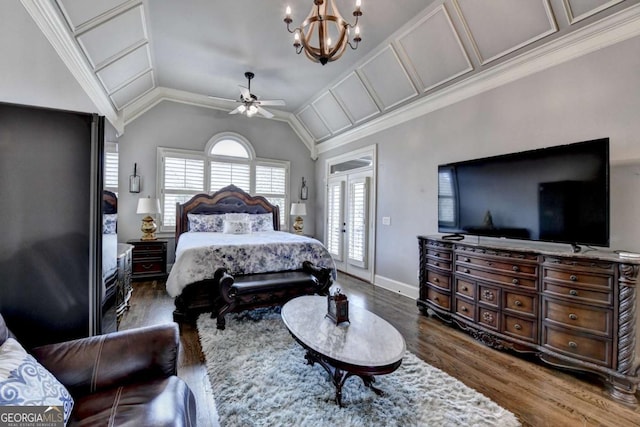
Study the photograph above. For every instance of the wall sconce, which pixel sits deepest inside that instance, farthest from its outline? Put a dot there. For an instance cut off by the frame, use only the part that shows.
(304, 190)
(134, 180)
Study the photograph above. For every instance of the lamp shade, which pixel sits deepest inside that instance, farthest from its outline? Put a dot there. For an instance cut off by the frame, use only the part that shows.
(299, 209)
(147, 205)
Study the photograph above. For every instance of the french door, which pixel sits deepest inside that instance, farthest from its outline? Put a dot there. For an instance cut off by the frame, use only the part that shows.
(350, 209)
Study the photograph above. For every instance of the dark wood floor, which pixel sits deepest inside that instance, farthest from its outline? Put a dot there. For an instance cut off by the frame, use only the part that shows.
(537, 394)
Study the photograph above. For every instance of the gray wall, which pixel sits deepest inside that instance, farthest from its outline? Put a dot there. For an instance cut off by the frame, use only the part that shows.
(590, 97)
(176, 125)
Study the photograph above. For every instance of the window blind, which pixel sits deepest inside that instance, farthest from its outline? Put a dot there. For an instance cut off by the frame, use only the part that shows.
(111, 170)
(358, 223)
(334, 219)
(223, 174)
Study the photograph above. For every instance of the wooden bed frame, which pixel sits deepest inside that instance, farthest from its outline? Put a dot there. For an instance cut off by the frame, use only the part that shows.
(197, 297)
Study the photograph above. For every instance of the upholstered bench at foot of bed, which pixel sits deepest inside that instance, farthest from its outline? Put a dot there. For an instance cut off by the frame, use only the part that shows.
(267, 289)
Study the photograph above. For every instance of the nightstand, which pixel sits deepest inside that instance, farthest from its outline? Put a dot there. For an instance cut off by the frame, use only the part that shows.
(149, 259)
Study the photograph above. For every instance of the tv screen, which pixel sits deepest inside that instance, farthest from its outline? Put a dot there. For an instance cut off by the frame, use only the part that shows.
(557, 194)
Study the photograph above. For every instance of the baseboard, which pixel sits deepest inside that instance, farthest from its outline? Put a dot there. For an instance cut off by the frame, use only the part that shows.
(395, 286)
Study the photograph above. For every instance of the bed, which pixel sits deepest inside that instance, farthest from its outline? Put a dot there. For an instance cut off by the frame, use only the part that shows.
(109, 247)
(203, 246)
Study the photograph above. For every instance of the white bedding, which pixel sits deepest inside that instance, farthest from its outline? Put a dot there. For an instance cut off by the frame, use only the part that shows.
(200, 254)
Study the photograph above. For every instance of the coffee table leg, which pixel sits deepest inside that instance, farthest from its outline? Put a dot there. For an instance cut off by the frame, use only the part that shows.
(368, 381)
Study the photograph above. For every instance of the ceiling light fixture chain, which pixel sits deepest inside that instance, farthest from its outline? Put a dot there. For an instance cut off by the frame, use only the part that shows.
(323, 22)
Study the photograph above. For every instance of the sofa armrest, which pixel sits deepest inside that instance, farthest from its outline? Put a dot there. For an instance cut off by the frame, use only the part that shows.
(89, 364)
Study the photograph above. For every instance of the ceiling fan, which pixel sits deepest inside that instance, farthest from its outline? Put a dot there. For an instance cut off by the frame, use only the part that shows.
(249, 103)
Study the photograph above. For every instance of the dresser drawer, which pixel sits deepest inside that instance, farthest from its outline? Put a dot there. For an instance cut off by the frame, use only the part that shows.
(525, 329)
(503, 279)
(440, 299)
(148, 267)
(521, 303)
(585, 347)
(579, 294)
(440, 280)
(488, 318)
(589, 319)
(465, 308)
(465, 288)
(574, 276)
(498, 264)
(439, 254)
(439, 263)
(149, 248)
(488, 295)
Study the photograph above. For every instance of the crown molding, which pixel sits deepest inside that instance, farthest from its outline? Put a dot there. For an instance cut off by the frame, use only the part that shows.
(47, 17)
(606, 32)
(159, 94)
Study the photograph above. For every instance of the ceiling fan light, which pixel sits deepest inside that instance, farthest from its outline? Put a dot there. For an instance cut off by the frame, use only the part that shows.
(242, 109)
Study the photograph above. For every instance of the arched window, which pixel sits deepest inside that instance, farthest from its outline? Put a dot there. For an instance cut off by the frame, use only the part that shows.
(228, 158)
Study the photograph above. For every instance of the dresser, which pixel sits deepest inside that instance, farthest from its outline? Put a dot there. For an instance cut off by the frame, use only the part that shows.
(149, 259)
(124, 288)
(572, 310)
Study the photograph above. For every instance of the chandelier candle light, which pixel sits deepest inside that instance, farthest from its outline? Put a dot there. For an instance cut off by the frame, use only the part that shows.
(323, 22)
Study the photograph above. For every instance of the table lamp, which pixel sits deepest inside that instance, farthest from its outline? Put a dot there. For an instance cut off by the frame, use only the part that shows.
(148, 206)
(300, 210)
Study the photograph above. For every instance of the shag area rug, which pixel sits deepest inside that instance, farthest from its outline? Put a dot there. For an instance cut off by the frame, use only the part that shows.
(260, 377)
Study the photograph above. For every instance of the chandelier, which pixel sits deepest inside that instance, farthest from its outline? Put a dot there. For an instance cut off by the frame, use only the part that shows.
(323, 27)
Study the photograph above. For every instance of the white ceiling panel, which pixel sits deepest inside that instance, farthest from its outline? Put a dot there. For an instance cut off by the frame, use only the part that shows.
(432, 50)
(387, 79)
(114, 37)
(355, 98)
(133, 90)
(78, 12)
(577, 10)
(498, 27)
(121, 71)
(331, 112)
(314, 124)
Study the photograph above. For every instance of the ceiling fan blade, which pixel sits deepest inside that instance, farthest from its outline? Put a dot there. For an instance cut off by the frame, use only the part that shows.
(264, 112)
(279, 102)
(245, 92)
(223, 99)
(237, 110)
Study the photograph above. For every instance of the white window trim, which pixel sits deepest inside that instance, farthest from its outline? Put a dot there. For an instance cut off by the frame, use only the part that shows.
(203, 155)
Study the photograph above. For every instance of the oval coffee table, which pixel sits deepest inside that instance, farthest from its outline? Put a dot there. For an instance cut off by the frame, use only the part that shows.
(366, 346)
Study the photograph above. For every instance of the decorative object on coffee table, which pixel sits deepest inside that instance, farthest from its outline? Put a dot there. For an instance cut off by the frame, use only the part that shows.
(338, 307)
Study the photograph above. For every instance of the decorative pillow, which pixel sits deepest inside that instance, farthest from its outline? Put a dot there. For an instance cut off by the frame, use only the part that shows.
(237, 227)
(211, 223)
(109, 222)
(237, 217)
(25, 382)
(262, 222)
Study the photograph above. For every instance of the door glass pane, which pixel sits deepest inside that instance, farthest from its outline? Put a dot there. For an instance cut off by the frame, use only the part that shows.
(358, 223)
(334, 219)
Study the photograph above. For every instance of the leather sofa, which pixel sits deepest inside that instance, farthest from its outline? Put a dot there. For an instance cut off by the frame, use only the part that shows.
(123, 378)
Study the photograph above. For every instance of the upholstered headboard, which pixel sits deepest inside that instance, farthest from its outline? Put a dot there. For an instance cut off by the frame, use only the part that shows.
(109, 202)
(230, 199)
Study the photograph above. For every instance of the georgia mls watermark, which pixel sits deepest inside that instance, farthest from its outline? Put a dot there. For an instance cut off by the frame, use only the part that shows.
(31, 416)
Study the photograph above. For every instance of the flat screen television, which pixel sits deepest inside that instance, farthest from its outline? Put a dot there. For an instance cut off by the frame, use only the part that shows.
(557, 194)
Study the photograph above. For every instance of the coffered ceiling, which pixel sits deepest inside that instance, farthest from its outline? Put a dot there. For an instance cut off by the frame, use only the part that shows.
(129, 55)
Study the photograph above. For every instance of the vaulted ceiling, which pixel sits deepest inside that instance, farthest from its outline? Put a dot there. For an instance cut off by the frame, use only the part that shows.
(129, 55)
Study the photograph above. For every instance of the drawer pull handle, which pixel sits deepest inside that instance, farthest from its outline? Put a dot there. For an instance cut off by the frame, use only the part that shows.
(515, 268)
(467, 260)
(573, 292)
(436, 299)
(573, 316)
(515, 281)
(436, 280)
(517, 303)
(573, 277)
(573, 344)
(437, 255)
(464, 288)
(489, 263)
(517, 326)
(464, 309)
(147, 266)
(466, 270)
(437, 264)
(488, 317)
(488, 295)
